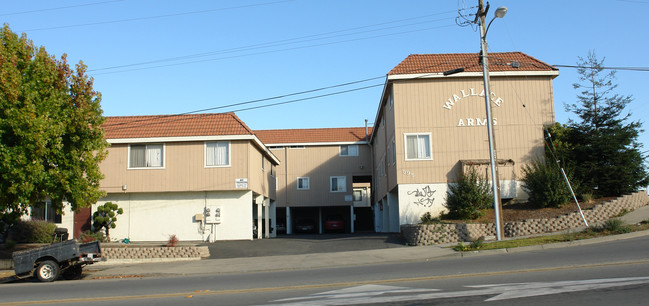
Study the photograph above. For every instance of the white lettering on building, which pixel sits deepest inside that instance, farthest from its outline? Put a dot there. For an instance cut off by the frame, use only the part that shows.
(448, 104)
(475, 121)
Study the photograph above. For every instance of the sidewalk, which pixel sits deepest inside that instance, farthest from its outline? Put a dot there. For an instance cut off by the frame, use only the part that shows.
(387, 253)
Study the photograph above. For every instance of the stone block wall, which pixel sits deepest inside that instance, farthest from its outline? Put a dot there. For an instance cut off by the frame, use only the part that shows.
(134, 252)
(419, 234)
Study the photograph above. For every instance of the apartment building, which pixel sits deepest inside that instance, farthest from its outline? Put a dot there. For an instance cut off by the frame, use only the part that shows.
(200, 177)
(430, 128)
(209, 177)
(323, 174)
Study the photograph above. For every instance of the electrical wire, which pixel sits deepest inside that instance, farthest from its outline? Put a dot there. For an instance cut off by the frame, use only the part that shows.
(291, 41)
(273, 51)
(59, 8)
(268, 99)
(642, 69)
(154, 17)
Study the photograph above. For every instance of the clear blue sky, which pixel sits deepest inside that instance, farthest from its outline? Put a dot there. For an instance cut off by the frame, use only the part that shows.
(182, 56)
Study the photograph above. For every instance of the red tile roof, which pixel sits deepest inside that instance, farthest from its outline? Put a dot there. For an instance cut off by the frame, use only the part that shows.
(175, 126)
(438, 63)
(312, 135)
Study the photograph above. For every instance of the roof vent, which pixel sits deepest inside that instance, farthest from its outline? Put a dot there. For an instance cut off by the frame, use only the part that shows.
(515, 64)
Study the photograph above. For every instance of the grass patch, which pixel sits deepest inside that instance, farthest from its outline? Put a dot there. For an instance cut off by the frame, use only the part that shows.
(609, 228)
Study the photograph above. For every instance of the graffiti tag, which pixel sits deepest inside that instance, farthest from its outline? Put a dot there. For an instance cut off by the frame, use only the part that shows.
(423, 197)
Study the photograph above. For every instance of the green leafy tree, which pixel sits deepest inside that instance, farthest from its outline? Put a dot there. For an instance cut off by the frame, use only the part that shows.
(604, 150)
(105, 217)
(545, 184)
(51, 140)
(468, 197)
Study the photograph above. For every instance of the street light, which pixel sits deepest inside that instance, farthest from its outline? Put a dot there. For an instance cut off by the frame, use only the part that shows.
(500, 13)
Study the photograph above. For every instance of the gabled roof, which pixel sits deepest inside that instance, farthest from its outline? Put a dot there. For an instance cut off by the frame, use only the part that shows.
(174, 126)
(312, 136)
(498, 61)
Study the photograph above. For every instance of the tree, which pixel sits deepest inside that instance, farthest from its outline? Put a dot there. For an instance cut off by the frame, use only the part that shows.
(105, 217)
(545, 184)
(605, 153)
(51, 140)
(468, 197)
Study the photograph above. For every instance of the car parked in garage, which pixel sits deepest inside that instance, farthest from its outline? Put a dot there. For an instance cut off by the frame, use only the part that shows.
(334, 223)
(305, 226)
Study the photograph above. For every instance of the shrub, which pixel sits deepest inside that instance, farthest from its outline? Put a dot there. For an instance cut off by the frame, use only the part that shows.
(545, 184)
(616, 226)
(173, 240)
(427, 218)
(105, 217)
(89, 236)
(587, 197)
(468, 198)
(34, 231)
(461, 247)
(477, 243)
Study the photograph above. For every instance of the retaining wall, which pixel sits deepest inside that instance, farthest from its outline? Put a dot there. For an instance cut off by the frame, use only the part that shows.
(136, 252)
(420, 234)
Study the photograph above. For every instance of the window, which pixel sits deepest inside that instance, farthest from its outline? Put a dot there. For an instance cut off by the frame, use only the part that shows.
(358, 195)
(146, 156)
(338, 184)
(217, 154)
(303, 183)
(349, 150)
(418, 147)
(44, 211)
(391, 99)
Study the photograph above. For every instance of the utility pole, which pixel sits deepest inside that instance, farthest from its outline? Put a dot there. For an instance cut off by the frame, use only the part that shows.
(480, 19)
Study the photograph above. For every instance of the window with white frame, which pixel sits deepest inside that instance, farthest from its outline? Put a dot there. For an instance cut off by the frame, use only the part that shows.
(338, 184)
(217, 154)
(391, 98)
(349, 150)
(418, 147)
(146, 156)
(303, 183)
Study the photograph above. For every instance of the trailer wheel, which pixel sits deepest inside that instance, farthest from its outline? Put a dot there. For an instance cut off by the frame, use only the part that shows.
(47, 271)
(73, 272)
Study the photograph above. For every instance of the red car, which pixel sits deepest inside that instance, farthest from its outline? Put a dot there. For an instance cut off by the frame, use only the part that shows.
(334, 223)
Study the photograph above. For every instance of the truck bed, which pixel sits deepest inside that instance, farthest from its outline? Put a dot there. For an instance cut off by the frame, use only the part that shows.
(24, 261)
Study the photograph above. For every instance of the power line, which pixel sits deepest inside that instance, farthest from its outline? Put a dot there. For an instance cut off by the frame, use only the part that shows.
(157, 118)
(59, 8)
(643, 69)
(274, 98)
(154, 17)
(274, 51)
(290, 41)
(171, 117)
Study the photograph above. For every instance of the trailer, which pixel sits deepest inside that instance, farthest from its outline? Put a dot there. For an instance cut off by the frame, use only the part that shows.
(66, 258)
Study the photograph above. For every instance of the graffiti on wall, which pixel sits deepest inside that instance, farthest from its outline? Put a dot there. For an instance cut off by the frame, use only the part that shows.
(423, 197)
